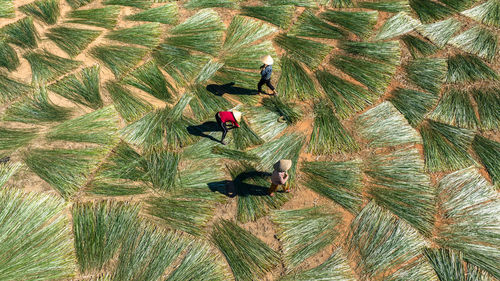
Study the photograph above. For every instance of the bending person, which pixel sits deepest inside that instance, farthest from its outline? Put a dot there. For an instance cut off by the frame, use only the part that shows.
(227, 120)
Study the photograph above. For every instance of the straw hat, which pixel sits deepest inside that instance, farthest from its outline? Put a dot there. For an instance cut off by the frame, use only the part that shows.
(283, 165)
(237, 115)
(267, 60)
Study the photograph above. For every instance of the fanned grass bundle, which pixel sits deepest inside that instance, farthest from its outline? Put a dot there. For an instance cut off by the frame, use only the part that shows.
(418, 47)
(128, 105)
(180, 64)
(161, 167)
(208, 70)
(300, 3)
(486, 13)
(488, 152)
(288, 110)
(458, 5)
(419, 269)
(383, 125)
(455, 108)
(309, 25)
(414, 105)
(399, 184)
(295, 82)
(336, 267)
(450, 265)
(100, 126)
(265, 123)
(468, 202)
(160, 128)
(249, 257)
(440, 32)
(27, 220)
(251, 186)
(141, 4)
(429, 11)
(14, 138)
(311, 53)
(147, 253)
(10, 88)
(244, 137)
(202, 32)
(397, 25)
(8, 56)
(75, 4)
(7, 9)
(202, 180)
(243, 31)
(445, 147)
(201, 262)
(391, 6)
(374, 75)
(123, 163)
(145, 35)
(36, 109)
(280, 16)
(206, 104)
(64, 169)
(119, 59)
(105, 187)
(82, 89)
(234, 154)
(340, 182)
(151, 80)
(244, 82)
(328, 135)
(387, 52)
(304, 232)
(7, 170)
(100, 228)
(286, 147)
(72, 40)
(46, 67)
(190, 215)
(359, 23)
(44, 10)
(427, 73)
(478, 41)
(468, 68)
(103, 17)
(200, 4)
(167, 14)
(488, 103)
(21, 33)
(248, 56)
(379, 241)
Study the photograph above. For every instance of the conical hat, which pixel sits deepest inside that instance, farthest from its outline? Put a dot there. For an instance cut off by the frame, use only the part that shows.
(237, 115)
(267, 60)
(283, 165)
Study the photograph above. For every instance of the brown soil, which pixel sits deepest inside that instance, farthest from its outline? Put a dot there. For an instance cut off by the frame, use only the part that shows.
(263, 227)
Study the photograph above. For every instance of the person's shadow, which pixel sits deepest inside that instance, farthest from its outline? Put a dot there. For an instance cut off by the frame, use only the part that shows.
(203, 129)
(242, 185)
(229, 88)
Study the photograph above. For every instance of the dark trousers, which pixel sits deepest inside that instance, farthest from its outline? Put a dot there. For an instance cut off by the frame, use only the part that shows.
(264, 81)
(222, 125)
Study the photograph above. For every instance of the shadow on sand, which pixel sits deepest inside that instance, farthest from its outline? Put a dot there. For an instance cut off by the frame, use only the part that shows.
(229, 88)
(240, 187)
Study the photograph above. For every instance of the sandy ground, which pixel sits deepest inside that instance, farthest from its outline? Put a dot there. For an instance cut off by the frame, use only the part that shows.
(262, 228)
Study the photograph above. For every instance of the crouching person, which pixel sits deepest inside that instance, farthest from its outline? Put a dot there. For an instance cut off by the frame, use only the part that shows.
(280, 176)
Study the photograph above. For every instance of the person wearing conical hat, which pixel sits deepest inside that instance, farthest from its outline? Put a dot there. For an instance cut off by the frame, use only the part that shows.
(224, 118)
(265, 74)
(280, 176)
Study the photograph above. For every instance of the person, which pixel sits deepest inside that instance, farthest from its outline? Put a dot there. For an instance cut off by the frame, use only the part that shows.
(225, 117)
(265, 74)
(280, 176)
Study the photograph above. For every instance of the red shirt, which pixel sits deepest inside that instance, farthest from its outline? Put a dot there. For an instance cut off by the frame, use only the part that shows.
(227, 116)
